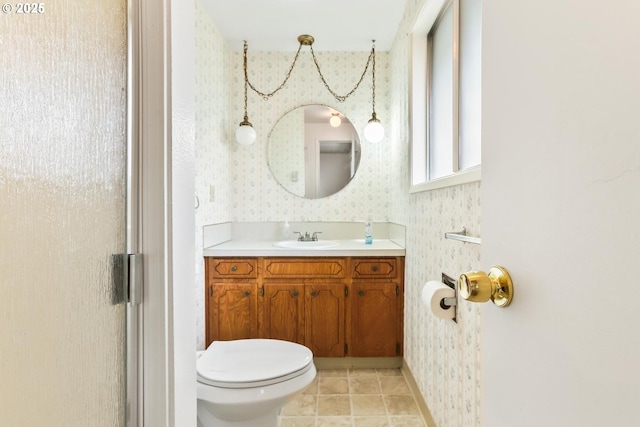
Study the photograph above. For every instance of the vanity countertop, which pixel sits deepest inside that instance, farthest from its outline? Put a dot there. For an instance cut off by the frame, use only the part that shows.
(349, 247)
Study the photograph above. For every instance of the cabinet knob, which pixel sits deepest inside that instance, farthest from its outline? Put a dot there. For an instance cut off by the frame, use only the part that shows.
(294, 294)
(234, 268)
(361, 293)
(247, 293)
(314, 294)
(374, 268)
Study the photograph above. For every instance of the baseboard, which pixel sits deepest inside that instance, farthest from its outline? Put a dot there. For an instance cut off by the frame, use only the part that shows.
(357, 362)
(413, 385)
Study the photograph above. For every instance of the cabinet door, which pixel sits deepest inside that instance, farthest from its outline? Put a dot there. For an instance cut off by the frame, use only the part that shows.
(324, 319)
(232, 312)
(374, 319)
(283, 312)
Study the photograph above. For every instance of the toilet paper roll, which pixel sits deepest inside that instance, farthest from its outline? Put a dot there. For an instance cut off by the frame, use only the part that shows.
(433, 292)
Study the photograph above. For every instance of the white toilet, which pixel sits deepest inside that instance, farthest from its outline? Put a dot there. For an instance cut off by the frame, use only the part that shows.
(245, 383)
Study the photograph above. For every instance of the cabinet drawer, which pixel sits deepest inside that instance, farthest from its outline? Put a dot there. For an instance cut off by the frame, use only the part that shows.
(298, 268)
(374, 267)
(232, 268)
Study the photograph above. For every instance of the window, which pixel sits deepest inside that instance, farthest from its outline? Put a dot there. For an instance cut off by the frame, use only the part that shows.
(445, 94)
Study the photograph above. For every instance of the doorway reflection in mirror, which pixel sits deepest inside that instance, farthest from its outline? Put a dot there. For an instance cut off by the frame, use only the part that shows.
(311, 158)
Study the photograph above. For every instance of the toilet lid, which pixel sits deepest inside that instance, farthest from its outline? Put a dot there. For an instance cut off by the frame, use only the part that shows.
(252, 362)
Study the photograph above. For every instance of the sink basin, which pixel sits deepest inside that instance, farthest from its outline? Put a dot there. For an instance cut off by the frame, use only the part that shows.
(297, 244)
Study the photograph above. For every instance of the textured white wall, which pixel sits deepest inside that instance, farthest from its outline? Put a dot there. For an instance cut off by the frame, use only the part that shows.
(183, 90)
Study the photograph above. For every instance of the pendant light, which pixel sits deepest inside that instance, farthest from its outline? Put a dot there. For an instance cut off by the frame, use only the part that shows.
(335, 120)
(373, 132)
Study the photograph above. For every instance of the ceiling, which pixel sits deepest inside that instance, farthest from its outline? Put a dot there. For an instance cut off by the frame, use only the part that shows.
(336, 25)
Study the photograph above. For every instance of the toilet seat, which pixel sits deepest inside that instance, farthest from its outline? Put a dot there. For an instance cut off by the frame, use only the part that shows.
(252, 363)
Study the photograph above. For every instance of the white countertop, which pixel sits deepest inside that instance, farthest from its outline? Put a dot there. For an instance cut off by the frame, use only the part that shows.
(352, 247)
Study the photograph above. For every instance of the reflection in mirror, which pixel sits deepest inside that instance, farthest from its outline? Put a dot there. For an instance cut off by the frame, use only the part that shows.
(310, 157)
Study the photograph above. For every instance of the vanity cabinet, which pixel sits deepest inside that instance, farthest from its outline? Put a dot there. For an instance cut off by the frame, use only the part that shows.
(233, 311)
(377, 306)
(325, 319)
(231, 298)
(311, 314)
(316, 289)
(282, 311)
(336, 306)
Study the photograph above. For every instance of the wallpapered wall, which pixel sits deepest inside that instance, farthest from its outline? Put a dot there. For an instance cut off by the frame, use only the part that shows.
(442, 355)
(256, 195)
(213, 150)
(243, 187)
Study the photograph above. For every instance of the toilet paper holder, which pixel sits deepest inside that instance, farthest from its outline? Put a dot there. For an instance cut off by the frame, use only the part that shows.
(478, 286)
(449, 302)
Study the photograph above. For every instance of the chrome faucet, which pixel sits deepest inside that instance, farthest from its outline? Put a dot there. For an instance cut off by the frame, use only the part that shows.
(306, 237)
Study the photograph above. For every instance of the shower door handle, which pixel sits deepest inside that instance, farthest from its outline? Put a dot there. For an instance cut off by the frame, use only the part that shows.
(126, 279)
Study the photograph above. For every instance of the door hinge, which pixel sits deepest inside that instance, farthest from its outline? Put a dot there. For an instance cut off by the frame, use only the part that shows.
(210, 290)
(398, 348)
(346, 349)
(397, 290)
(262, 291)
(346, 291)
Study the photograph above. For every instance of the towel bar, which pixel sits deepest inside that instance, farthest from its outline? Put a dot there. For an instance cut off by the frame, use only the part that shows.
(462, 236)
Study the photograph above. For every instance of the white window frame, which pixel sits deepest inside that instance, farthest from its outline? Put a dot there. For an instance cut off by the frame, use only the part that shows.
(419, 102)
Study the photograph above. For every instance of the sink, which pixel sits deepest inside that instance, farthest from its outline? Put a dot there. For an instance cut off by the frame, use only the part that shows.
(298, 244)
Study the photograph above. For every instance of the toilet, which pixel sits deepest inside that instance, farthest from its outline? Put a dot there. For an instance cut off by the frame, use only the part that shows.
(245, 383)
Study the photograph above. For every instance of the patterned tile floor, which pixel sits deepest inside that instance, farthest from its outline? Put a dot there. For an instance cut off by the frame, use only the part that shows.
(354, 398)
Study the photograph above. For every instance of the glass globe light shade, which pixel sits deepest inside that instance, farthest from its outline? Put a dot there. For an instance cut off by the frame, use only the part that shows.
(374, 132)
(335, 120)
(245, 134)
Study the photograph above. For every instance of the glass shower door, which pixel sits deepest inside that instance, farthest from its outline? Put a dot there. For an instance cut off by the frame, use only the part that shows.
(63, 148)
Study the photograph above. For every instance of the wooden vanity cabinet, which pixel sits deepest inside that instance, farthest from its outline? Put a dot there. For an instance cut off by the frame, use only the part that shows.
(282, 311)
(377, 307)
(233, 308)
(311, 314)
(325, 319)
(231, 298)
(319, 286)
(374, 320)
(336, 306)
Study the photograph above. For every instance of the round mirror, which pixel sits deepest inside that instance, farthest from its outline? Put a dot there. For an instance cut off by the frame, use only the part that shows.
(313, 151)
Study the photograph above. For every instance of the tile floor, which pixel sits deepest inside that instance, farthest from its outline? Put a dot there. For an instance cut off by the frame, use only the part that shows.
(354, 398)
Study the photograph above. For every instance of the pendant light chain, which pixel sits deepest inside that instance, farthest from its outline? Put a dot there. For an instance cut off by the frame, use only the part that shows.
(342, 98)
(266, 96)
(373, 78)
(373, 132)
(246, 82)
(339, 98)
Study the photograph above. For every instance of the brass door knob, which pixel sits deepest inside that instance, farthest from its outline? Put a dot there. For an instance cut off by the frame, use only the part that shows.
(478, 286)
